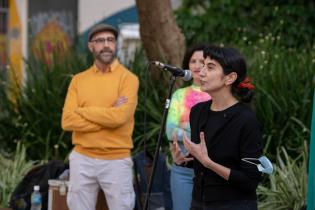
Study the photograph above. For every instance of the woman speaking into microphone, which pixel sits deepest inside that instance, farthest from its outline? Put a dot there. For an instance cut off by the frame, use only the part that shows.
(224, 131)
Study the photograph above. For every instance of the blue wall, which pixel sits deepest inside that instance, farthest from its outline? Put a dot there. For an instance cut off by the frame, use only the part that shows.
(129, 15)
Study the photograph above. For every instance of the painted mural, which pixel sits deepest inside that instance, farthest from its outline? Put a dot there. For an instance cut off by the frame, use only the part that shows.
(53, 27)
(50, 41)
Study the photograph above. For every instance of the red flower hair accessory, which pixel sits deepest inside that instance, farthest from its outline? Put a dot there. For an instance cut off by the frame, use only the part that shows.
(246, 84)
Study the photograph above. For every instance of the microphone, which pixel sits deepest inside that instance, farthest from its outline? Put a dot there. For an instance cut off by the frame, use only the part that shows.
(177, 72)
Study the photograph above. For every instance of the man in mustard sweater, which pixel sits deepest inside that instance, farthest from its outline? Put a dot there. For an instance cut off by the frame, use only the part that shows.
(99, 110)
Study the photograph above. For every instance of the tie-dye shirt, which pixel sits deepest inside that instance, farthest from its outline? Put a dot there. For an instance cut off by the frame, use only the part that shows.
(178, 116)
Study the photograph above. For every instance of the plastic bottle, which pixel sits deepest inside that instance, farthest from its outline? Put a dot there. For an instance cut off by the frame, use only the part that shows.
(36, 199)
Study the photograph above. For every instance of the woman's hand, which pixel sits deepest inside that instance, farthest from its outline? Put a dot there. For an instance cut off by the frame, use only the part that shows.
(199, 151)
(177, 155)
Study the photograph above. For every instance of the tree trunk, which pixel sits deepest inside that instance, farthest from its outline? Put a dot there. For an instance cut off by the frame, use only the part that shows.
(161, 37)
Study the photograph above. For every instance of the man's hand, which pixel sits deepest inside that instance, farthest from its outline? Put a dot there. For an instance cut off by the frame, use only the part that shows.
(120, 101)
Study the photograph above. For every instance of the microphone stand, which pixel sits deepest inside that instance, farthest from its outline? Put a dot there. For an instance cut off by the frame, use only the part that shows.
(157, 150)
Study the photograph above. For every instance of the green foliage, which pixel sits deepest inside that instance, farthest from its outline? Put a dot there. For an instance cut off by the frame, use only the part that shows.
(277, 39)
(288, 184)
(285, 82)
(13, 169)
(223, 21)
(150, 103)
(34, 116)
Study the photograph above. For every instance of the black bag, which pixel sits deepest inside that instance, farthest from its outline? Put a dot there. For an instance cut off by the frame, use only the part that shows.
(160, 192)
(39, 175)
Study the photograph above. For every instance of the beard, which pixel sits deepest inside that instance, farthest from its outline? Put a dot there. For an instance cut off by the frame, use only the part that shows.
(105, 56)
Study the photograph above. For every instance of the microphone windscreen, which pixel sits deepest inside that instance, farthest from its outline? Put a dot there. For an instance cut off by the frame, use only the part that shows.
(188, 75)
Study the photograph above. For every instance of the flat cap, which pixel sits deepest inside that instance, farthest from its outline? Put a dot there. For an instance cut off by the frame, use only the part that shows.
(102, 27)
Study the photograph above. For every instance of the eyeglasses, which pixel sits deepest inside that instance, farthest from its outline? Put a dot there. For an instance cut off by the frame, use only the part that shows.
(99, 41)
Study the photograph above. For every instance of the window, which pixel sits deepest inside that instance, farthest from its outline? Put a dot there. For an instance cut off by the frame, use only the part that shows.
(4, 5)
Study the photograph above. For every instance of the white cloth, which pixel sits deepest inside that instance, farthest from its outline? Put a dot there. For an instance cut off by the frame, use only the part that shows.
(87, 175)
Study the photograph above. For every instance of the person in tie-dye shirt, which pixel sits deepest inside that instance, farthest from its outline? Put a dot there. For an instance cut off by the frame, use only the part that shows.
(177, 125)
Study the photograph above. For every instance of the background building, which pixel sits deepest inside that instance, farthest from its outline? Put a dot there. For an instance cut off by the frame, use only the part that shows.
(41, 27)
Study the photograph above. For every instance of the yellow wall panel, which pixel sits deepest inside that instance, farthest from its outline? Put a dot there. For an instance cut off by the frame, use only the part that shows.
(15, 45)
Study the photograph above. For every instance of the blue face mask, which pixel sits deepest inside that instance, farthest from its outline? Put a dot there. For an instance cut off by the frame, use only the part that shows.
(180, 134)
(264, 165)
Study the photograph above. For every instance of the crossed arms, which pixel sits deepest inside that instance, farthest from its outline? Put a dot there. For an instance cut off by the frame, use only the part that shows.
(94, 118)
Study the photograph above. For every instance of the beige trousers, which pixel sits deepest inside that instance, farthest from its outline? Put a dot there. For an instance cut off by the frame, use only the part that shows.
(88, 175)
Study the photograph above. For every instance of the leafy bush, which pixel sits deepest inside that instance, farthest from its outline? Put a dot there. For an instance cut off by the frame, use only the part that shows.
(285, 82)
(277, 40)
(34, 116)
(13, 168)
(152, 95)
(288, 184)
(223, 21)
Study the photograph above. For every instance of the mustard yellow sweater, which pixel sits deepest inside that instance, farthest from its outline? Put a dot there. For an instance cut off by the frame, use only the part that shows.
(99, 129)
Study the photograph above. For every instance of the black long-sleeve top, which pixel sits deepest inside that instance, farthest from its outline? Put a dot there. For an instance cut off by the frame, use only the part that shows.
(230, 135)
